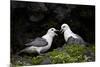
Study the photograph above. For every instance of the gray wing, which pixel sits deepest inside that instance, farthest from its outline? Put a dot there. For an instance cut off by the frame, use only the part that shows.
(78, 40)
(81, 39)
(38, 42)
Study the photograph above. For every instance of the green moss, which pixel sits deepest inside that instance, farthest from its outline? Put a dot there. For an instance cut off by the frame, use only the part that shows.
(69, 54)
(75, 49)
(37, 60)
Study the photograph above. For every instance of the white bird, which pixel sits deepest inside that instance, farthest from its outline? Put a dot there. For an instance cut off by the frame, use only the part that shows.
(71, 37)
(40, 44)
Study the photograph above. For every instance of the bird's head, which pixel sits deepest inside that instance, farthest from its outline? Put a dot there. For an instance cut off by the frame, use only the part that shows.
(64, 27)
(52, 32)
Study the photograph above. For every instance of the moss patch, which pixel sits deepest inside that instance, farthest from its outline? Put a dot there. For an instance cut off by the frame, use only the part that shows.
(71, 53)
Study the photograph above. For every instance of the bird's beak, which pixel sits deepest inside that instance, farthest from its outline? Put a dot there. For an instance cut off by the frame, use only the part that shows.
(61, 30)
(56, 32)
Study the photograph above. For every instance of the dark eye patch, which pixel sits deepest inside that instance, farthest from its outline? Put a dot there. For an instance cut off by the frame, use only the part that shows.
(51, 29)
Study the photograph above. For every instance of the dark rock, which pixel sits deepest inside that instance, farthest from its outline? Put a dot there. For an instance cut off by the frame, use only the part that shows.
(25, 60)
(60, 48)
(46, 61)
(35, 18)
(37, 7)
(90, 55)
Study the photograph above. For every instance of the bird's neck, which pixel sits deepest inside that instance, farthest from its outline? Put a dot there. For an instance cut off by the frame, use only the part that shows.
(48, 38)
(69, 33)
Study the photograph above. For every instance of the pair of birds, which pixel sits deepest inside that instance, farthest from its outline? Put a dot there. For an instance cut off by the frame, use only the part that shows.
(42, 44)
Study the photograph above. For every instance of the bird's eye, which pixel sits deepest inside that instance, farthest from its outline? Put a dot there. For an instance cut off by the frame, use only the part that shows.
(51, 29)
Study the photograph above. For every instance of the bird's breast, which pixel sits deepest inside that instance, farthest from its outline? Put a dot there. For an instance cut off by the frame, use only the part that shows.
(45, 48)
(66, 35)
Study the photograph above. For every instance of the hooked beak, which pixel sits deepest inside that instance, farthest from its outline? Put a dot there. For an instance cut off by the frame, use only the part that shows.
(56, 32)
(61, 30)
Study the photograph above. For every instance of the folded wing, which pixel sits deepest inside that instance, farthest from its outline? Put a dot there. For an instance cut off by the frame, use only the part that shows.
(78, 40)
(38, 42)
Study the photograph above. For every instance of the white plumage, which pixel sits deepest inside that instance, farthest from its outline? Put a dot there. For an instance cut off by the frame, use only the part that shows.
(67, 32)
(71, 37)
(41, 47)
